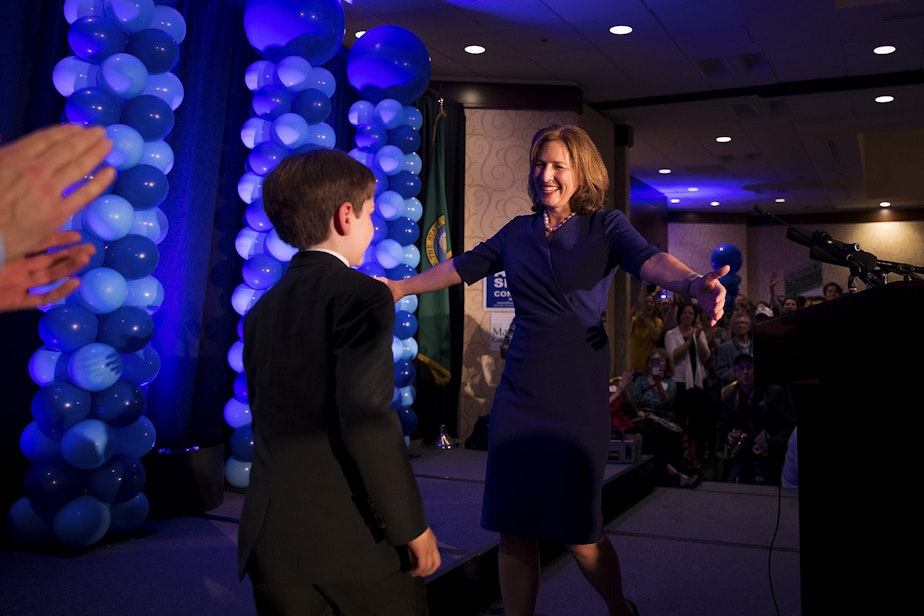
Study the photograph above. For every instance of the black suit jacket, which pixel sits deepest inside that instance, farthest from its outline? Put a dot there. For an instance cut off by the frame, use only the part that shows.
(332, 496)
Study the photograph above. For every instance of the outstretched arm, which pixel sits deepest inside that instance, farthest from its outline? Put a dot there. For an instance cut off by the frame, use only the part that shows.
(671, 273)
(437, 277)
(21, 275)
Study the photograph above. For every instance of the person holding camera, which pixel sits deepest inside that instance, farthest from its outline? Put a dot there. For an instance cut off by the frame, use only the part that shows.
(653, 394)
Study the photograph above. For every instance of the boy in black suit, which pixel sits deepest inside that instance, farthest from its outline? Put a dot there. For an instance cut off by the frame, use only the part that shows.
(333, 522)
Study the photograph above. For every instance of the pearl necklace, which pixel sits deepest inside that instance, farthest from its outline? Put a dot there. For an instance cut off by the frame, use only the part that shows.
(548, 229)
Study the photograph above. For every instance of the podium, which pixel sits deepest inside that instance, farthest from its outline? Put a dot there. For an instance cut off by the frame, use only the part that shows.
(854, 367)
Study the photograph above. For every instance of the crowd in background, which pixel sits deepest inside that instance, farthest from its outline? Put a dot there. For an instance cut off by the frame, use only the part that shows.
(712, 421)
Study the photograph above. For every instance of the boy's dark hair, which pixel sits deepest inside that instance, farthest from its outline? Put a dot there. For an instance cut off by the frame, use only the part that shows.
(302, 193)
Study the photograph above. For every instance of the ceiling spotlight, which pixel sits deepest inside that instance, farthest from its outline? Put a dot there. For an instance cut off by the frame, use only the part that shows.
(620, 29)
(884, 50)
(780, 200)
(692, 189)
(885, 204)
(675, 200)
(475, 49)
(884, 99)
(664, 171)
(723, 139)
(714, 203)
(359, 33)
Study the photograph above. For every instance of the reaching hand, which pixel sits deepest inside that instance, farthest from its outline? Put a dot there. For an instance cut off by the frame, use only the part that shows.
(19, 276)
(710, 294)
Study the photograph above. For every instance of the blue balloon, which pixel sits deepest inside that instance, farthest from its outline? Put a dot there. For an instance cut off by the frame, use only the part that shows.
(372, 268)
(167, 87)
(124, 75)
(25, 525)
(403, 230)
(312, 104)
(390, 205)
(141, 366)
(405, 373)
(50, 485)
(240, 387)
(156, 48)
(261, 271)
(408, 419)
(130, 15)
(361, 112)
(127, 329)
(371, 136)
(726, 254)
(147, 293)
(134, 256)
(95, 38)
(312, 29)
(170, 21)
(82, 522)
(389, 253)
(109, 217)
(88, 444)
(404, 137)
(144, 186)
(241, 443)
(119, 405)
(271, 101)
(127, 146)
(135, 440)
(95, 366)
(129, 515)
(389, 62)
(67, 328)
(58, 406)
(237, 472)
(408, 303)
(36, 445)
(405, 324)
(47, 365)
(389, 113)
(255, 216)
(265, 156)
(98, 257)
(92, 107)
(71, 74)
(102, 290)
(400, 272)
(150, 115)
(405, 183)
(379, 228)
(116, 477)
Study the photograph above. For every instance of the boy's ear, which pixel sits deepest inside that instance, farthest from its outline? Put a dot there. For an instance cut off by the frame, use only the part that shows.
(343, 218)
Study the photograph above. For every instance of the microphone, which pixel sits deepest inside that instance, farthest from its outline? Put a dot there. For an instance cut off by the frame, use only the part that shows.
(824, 239)
(798, 237)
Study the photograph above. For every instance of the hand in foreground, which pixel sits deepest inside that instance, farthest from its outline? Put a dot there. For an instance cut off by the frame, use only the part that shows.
(425, 556)
(710, 294)
(393, 286)
(17, 277)
(34, 172)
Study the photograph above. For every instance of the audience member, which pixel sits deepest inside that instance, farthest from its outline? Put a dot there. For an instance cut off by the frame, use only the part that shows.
(790, 475)
(776, 300)
(741, 342)
(559, 261)
(832, 290)
(333, 521)
(762, 310)
(40, 173)
(645, 328)
(667, 310)
(694, 407)
(621, 409)
(743, 303)
(653, 395)
(754, 424)
(811, 300)
(790, 304)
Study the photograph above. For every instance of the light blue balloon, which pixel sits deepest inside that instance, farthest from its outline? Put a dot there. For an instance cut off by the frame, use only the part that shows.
(408, 303)
(389, 113)
(150, 224)
(95, 367)
(147, 293)
(123, 75)
(87, 444)
(71, 74)
(237, 472)
(158, 154)
(389, 253)
(408, 395)
(260, 73)
(82, 522)
(293, 72)
(127, 147)
(322, 134)
(411, 255)
(290, 130)
(243, 297)
(390, 159)
(102, 290)
(130, 15)
(361, 112)
(390, 205)
(75, 9)
(396, 348)
(237, 414)
(278, 248)
(250, 186)
(256, 130)
(323, 80)
(236, 357)
(170, 21)
(413, 209)
(167, 87)
(410, 349)
(412, 163)
(413, 117)
(48, 365)
(109, 217)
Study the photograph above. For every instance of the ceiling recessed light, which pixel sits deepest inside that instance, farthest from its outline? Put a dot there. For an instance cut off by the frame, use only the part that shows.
(884, 50)
(884, 99)
(474, 49)
(675, 200)
(692, 189)
(620, 29)
(885, 204)
(664, 171)
(723, 139)
(714, 203)
(780, 200)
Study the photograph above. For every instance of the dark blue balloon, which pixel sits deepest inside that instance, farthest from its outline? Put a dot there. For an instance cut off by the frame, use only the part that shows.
(727, 254)
(372, 268)
(379, 228)
(134, 256)
(95, 38)
(270, 102)
(389, 62)
(312, 104)
(117, 480)
(405, 137)
(50, 485)
(408, 419)
(312, 29)
(92, 107)
(119, 405)
(241, 443)
(127, 329)
(58, 406)
(150, 115)
(403, 230)
(405, 373)
(141, 366)
(371, 137)
(264, 157)
(405, 183)
(240, 387)
(96, 260)
(255, 216)
(67, 328)
(400, 272)
(157, 49)
(144, 186)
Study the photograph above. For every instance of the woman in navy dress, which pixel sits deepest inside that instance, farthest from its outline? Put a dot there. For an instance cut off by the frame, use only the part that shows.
(550, 422)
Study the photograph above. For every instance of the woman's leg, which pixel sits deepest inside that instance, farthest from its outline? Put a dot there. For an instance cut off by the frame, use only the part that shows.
(518, 565)
(600, 565)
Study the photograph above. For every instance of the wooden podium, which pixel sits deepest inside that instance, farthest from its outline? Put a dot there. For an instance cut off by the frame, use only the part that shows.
(855, 370)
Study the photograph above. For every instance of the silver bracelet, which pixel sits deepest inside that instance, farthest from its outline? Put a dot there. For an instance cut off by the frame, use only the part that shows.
(690, 279)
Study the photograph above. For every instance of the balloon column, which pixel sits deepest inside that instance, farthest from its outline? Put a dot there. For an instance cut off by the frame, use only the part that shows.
(291, 101)
(727, 254)
(89, 430)
(390, 68)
